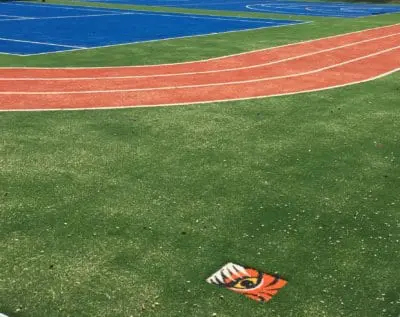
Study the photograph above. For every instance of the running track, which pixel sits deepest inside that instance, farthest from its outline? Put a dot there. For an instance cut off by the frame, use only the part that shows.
(300, 67)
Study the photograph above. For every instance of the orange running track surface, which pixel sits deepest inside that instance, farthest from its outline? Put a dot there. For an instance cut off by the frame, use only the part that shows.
(300, 67)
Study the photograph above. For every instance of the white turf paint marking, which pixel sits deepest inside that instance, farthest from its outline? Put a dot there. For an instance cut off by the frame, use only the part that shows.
(202, 85)
(207, 102)
(226, 271)
(40, 43)
(207, 59)
(195, 73)
(140, 42)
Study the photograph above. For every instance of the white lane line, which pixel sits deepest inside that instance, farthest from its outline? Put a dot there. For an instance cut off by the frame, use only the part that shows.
(202, 85)
(200, 72)
(39, 43)
(209, 101)
(203, 60)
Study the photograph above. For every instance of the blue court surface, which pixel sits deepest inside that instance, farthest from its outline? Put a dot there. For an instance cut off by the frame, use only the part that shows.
(27, 29)
(325, 9)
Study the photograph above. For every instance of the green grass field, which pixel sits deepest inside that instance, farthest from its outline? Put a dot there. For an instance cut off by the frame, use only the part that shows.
(127, 212)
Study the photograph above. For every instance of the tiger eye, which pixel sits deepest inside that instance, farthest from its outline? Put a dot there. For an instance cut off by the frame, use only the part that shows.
(247, 284)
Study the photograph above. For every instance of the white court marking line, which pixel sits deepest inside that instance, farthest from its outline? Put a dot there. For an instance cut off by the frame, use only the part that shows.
(13, 19)
(195, 16)
(283, 10)
(205, 17)
(130, 12)
(6, 53)
(11, 16)
(179, 15)
(292, 5)
(77, 48)
(199, 72)
(203, 60)
(199, 3)
(55, 6)
(40, 43)
(209, 101)
(161, 1)
(255, 20)
(332, 10)
(213, 3)
(260, 7)
(201, 85)
(339, 6)
(270, 3)
(72, 16)
(157, 40)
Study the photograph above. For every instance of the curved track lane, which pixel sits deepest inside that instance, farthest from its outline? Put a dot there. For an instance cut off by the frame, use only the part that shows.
(307, 66)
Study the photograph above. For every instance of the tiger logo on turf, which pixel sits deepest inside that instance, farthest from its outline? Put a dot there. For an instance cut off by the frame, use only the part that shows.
(250, 282)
